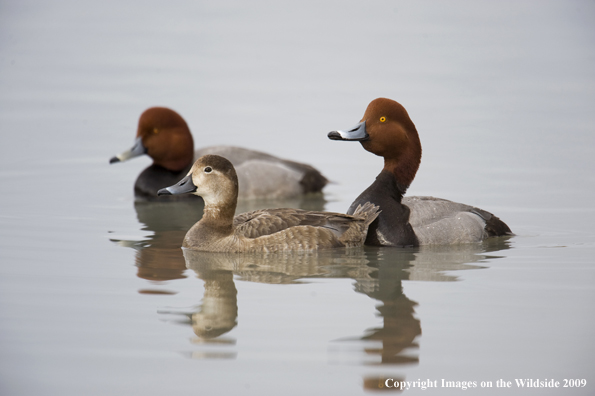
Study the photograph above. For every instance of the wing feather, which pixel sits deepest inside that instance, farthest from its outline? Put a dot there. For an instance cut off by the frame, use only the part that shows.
(269, 221)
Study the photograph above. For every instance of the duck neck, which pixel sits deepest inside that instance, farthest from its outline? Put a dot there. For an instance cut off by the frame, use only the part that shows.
(216, 223)
(392, 183)
(387, 182)
(392, 227)
(402, 171)
(219, 218)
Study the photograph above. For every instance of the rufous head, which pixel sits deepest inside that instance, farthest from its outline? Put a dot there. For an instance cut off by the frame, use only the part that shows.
(166, 138)
(387, 131)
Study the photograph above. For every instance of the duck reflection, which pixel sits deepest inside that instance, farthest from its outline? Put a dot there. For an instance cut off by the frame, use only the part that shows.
(377, 272)
(216, 315)
(159, 257)
(218, 311)
(400, 329)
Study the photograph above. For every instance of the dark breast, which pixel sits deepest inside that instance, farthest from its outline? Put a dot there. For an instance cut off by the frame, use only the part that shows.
(391, 227)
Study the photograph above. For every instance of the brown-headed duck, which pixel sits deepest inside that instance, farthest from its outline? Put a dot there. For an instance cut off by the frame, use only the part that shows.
(164, 136)
(387, 131)
(214, 178)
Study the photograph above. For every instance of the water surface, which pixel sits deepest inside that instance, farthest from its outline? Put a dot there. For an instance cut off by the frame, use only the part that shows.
(96, 297)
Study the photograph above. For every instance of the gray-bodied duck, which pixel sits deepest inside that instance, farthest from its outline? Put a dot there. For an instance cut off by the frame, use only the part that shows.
(164, 136)
(387, 131)
(214, 178)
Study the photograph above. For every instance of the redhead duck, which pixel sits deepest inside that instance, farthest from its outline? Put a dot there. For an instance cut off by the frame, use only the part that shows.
(165, 137)
(387, 131)
(214, 178)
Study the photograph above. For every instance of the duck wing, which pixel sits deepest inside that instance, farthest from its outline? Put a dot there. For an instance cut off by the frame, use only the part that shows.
(269, 221)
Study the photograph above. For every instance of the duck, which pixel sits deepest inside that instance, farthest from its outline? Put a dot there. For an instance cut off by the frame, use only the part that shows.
(387, 131)
(214, 178)
(164, 136)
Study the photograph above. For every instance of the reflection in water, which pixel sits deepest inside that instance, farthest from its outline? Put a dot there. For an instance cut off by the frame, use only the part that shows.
(219, 309)
(159, 257)
(377, 272)
(400, 328)
(216, 315)
(218, 312)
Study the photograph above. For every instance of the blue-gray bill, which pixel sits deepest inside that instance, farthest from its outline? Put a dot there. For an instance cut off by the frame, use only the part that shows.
(357, 133)
(184, 186)
(136, 150)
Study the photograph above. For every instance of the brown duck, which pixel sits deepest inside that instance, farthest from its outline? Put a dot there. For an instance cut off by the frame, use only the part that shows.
(214, 178)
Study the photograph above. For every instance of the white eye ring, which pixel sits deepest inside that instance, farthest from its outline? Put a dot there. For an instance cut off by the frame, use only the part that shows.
(208, 169)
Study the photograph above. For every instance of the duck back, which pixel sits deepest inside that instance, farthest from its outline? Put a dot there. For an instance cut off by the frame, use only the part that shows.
(440, 221)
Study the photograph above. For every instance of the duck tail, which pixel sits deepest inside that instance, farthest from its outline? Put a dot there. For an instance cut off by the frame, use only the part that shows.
(368, 212)
(357, 232)
(496, 227)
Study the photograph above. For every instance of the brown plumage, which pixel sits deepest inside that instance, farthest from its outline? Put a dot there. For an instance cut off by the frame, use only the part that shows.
(213, 178)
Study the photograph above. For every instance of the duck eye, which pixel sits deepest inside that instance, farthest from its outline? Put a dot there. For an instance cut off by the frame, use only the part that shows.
(382, 119)
(155, 130)
(208, 169)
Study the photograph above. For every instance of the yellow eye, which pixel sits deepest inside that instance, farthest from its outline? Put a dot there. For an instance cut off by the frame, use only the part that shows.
(382, 119)
(155, 130)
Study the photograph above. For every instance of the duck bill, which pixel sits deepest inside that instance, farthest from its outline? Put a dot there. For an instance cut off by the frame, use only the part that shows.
(136, 150)
(357, 133)
(184, 186)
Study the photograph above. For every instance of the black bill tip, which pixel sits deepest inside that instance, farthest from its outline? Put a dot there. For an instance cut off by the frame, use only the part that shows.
(334, 135)
(113, 160)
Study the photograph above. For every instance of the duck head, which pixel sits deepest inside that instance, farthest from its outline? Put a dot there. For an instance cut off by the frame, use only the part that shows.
(387, 131)
(213, 178)
(164, 136)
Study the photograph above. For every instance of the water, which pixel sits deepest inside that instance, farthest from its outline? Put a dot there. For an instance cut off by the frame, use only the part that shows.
(96, 297)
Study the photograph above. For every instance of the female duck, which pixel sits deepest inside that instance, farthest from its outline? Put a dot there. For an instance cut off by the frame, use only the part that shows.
(214, 178)
(386, 130)
(165, 137)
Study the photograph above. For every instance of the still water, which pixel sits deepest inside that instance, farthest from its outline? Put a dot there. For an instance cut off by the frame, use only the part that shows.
(97, 298)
